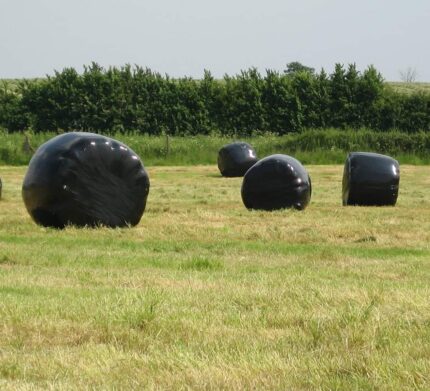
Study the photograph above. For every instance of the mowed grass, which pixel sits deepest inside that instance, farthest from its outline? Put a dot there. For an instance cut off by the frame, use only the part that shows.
(204, 294)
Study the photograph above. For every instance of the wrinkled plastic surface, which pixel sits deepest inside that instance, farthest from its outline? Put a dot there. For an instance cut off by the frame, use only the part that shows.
(370, 179)
(277, 182)
(85, 179)
(235, 159)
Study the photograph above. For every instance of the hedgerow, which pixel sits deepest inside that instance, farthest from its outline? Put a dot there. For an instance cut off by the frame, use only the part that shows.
(138, 100)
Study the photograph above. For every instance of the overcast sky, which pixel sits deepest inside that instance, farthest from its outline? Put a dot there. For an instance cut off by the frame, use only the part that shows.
(184, 37)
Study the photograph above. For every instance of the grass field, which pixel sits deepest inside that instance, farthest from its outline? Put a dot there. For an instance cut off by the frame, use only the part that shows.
(204, 294)
(324, 146)
(410, 88)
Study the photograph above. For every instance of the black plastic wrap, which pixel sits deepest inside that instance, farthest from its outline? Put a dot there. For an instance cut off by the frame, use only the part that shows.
(85, 179)
(277, 182)
(370, 179)
(236, 158)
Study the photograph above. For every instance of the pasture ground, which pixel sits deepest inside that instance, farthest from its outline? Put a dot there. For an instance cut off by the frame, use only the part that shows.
(204, 294)
(410, 88)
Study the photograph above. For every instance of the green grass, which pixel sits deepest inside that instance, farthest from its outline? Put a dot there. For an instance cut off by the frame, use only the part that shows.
(13, 84)
(410, 88)
(204, 294)
(329, 146)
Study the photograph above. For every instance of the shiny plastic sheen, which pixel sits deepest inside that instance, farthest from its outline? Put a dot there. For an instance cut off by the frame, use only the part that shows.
(277, 182)
(85, 179)
(235, 159)
(370, 179)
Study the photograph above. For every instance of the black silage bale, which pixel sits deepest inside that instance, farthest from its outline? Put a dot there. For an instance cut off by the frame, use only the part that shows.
(236, 158)
(277, 182)
(85, 179)
(370, 179)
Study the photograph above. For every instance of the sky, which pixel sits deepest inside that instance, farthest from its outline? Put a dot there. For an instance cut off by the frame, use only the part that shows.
(184, 37)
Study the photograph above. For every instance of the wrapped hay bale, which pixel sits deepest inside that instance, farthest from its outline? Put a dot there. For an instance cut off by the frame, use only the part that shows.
(370, 179)
(85, 179)
(276, 182)
(235, 159)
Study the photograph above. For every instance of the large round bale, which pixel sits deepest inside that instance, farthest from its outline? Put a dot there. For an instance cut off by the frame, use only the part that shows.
(370, 179)
(277, 182)
(236, 158)
(85, 179)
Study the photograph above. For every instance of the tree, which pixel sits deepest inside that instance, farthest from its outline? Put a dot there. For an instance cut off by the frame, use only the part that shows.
(295, 66)
(409, 75)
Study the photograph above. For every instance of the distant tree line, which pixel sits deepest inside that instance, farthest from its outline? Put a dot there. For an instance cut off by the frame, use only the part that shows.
(135, 99)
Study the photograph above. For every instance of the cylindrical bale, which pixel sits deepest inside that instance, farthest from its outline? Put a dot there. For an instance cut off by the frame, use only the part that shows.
(277, 182)
(370, 179)
(236, 158)
(85, 179)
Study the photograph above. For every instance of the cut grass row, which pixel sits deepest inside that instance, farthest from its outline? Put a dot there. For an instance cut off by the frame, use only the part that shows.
(204, 294)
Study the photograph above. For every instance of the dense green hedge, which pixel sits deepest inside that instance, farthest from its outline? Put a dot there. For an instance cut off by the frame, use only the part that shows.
(135, 99)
